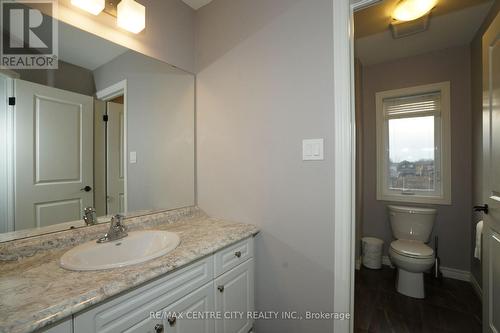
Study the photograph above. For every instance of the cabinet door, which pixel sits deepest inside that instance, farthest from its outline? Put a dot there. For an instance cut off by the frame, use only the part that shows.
(234, 298)
(191, 314)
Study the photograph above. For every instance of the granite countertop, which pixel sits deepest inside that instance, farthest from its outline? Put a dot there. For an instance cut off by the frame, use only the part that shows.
(36, 292)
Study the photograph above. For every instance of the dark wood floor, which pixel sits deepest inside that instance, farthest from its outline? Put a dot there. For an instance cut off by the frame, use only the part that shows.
(449, 306)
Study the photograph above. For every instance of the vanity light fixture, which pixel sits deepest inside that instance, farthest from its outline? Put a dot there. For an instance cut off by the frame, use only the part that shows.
(131, 16)
(409, 10)
(91, 6)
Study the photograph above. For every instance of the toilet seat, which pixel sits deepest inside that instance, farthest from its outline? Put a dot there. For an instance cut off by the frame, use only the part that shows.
(412, 249)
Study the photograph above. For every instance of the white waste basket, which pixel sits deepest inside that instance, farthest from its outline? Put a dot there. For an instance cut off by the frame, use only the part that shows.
(372, 252)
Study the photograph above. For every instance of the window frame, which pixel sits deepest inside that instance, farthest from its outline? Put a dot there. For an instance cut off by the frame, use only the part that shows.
(442, 140)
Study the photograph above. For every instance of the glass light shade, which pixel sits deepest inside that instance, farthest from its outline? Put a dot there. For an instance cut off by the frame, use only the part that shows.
(131, 16)
(91, 6)
(408, 10)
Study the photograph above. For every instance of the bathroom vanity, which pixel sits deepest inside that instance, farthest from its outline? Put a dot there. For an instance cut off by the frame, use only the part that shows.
(102, 136)
(215, 286)
(206, 284)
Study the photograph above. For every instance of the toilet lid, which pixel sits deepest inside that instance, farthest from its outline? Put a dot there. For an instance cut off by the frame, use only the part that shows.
(412, 248)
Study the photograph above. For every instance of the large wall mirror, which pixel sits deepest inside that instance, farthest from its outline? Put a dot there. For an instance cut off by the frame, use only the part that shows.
(110, 131)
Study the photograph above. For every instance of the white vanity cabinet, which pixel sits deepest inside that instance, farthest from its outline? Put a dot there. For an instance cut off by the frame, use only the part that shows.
(184, 301)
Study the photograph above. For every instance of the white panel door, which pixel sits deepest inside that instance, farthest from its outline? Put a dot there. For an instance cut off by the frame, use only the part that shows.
(53, 146)
(234, 292)
(115, 151)
(491, 177)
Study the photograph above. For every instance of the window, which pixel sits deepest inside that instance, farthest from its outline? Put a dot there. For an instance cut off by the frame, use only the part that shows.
(413, 144)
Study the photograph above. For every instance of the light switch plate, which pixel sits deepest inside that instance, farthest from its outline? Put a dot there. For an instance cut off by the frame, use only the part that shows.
(312, 149)
(133, 157)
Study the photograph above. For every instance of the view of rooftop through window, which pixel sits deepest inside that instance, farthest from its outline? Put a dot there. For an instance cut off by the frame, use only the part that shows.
(412, 154)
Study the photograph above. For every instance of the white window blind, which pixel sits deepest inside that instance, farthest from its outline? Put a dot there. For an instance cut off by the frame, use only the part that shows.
(413, 106)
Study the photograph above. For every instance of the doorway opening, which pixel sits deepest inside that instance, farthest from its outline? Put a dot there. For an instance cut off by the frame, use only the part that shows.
(110, 148)
(418, 108)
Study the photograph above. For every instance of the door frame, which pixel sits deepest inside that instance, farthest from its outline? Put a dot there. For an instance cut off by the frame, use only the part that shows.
(345, 158)
(7, 160)
(106, 95)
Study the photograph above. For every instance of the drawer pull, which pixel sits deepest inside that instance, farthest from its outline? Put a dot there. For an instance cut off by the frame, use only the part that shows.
(237, 254)
(221, 288)
(159, 328)
(171, 321)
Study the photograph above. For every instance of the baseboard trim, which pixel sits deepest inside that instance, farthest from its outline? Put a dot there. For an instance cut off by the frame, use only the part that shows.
(456, 274)
(451, 273)
(476, 286)
(448, 272)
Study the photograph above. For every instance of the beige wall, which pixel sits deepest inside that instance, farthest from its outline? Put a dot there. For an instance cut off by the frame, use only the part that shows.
(265, 83)
(453, 222)
(477, 131)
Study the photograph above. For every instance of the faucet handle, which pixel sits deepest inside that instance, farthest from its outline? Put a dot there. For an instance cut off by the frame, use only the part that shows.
(89, 215)
(117, 221)
(89, 209)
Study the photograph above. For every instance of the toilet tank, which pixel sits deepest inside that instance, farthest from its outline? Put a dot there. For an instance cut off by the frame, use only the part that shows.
(413, 223)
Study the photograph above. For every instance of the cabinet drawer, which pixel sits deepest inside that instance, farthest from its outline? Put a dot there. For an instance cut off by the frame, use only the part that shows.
(65, 326)
(233, 255)
(132, 308)
(148, 325)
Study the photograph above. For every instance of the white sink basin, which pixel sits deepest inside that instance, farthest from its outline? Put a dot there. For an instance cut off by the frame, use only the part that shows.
(137, 247)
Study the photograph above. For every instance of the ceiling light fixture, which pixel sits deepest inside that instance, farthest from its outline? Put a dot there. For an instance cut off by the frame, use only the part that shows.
(131, 16)
(91, 6)
(409, 10)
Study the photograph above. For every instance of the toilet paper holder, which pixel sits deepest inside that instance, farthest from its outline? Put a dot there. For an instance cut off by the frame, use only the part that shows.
(483, 208)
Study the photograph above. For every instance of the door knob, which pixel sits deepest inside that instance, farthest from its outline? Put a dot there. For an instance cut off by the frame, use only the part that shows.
(86, 189)
(159, 328)
(483, 209)
(221, 288)
(171, 321)
(237, 254)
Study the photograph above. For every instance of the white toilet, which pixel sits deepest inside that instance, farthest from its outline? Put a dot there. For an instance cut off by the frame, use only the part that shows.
(412, 227)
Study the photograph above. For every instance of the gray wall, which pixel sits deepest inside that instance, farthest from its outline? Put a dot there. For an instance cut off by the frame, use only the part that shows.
(169, 32)
(477, 131)
(160, 123)
(453, 221)
(265, 83)
(68, 77)
(358, 100)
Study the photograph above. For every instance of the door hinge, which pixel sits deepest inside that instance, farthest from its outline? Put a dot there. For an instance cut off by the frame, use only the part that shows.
(105, 117)
(12, 101)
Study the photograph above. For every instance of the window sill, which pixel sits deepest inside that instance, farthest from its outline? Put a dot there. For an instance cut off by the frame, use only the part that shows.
(417, 199)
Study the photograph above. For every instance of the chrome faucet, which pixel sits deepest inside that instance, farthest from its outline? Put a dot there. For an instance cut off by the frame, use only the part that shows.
(117, 230)
(89, 216)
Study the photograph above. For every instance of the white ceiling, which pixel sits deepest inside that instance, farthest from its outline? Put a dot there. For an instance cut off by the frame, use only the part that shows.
(85, 49)
(454, 29)
(197, 4)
